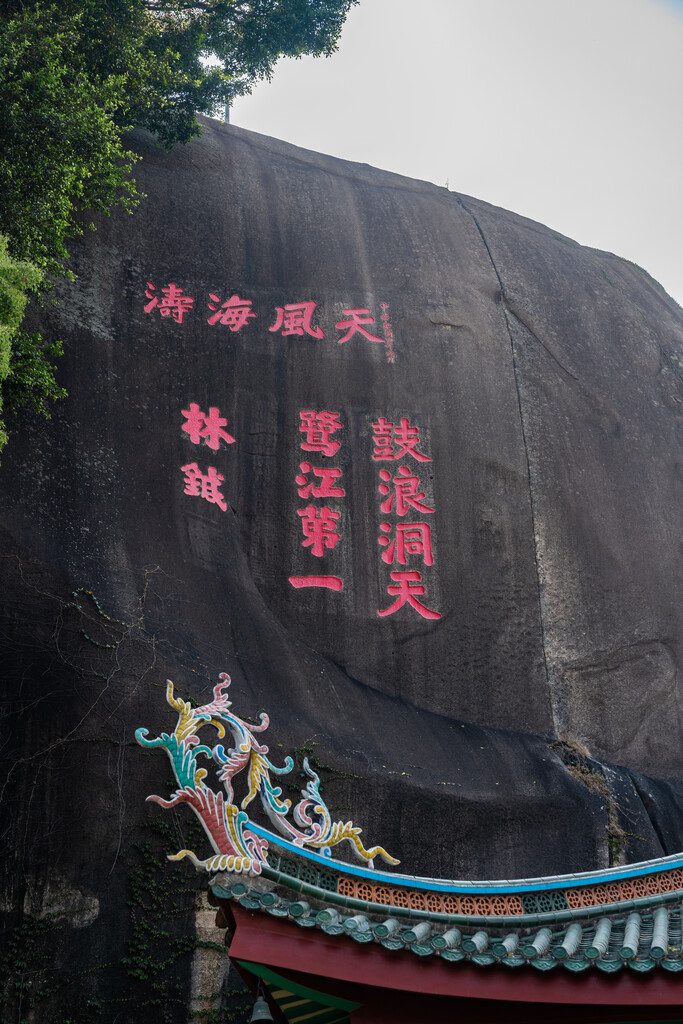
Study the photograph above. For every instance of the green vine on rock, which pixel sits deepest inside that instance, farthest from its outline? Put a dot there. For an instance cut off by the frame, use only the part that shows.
(26, 976)
(82, 597)
(161, 898)
(150, 981)
(581, 766)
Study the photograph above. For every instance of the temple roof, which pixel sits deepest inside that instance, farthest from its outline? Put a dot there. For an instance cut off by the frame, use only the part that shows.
(290, 905)
(612, 928)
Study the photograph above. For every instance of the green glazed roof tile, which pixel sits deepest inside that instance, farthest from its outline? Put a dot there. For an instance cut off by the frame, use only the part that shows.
(280, 911)
(452, 954)
(391, 943)
(605, 938)
(421, 950)
(576, 964)
(222, 891)
(269, 899)
(513, 961)
(249, 902)
(642, 966)
(544, 964)
(299, 909)
(609, 966)
(386, 928)
(333, 929)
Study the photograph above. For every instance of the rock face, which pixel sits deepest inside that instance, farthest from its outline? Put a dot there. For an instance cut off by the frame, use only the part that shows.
(465, 425)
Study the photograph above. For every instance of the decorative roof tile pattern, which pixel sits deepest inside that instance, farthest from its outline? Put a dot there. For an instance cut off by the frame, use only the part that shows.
(637, 940)
(620, 918)
(549, 901)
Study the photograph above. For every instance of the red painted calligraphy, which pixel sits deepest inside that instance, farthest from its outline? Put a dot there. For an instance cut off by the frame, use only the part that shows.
(204, 485)
(172, 302)
(359, 318)
(319, 524)
(405, 492)
(295, 318)
(326, 489)
(393, 442)
(206, 427)
(319, 528)
(233, 314)
(407, 588)
(317, 426)
(328, 582)
(402, 494)
(411, 539)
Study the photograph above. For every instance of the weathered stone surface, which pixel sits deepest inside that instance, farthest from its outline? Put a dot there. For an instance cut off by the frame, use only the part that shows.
(545, 382)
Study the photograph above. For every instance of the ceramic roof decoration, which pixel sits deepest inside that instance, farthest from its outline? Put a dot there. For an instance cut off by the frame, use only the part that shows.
(641, 933)
(238, 845)
(626, 917)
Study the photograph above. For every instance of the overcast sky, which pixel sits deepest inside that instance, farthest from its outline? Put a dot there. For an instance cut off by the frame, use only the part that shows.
(566, 112)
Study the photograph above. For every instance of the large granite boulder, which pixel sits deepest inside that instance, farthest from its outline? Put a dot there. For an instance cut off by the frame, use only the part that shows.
(407, 466)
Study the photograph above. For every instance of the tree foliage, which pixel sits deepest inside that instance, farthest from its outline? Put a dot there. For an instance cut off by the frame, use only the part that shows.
(25, 366)
(75, 75)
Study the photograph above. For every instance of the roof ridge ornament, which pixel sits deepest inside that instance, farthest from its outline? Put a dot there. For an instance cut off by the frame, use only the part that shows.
(237, 847)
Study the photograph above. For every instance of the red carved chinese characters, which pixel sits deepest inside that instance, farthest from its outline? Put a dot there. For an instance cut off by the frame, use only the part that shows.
(319, 523)
(233, 314)
(207, 428)
(393, 442)
(172, 302)
(319, 528)
(356, 325)
(411, 539)
(403, 541)
(203, 485)
(327, 582)
(295, 318)
(408, 588)
(318, 426)
(405, 491)
(292, 319)
(326, 488)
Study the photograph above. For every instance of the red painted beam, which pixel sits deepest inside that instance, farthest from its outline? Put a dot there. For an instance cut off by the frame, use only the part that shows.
(280, 944)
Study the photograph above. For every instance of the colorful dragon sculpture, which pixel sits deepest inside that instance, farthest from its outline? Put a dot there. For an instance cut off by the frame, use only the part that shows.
(238, 847)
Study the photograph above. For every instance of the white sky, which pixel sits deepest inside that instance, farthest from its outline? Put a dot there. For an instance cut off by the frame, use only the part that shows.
(566, 112)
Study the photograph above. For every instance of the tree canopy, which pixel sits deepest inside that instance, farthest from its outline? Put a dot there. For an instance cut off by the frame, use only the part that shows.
(75, 75)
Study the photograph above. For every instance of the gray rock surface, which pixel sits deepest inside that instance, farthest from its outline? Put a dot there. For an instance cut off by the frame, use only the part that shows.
(545, 381)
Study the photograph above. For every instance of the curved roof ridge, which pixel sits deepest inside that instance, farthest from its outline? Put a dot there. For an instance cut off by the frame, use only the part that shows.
(565, 881)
